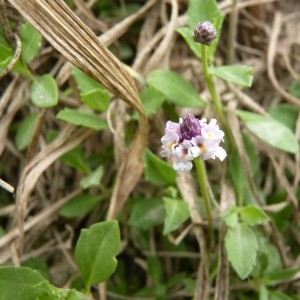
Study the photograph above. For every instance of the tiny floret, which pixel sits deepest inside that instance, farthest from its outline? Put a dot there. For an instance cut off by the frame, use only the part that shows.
(192, 138)
(205, 33)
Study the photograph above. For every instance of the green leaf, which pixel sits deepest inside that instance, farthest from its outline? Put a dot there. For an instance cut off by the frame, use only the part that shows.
(92, 179)
(38, 265)
(270, 131)
(6, 53)
(175, 88)
(79, 205)
(253, 215)
(188, 33)
(231, 216)
(285, 113)
(202, 10)
(31, 42)
(85, 83)
(152, 100)
(242, 75)
(282, 275)
(96, 99)
(96, 251)
(147, 213)
(294, 89)
(274, 295)
(239, 178)
(82, 118)
(177, 212)
(21, 283)
(241, 247)
(158, 171)
(155, 269)
(75, 158)
(26, 131)
(44, 92)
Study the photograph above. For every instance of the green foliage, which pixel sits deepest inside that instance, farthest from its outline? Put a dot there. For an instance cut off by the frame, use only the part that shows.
(26, 131)
(175, 88)
(253, 215)
(76, 159)
(188, 33)
(92, 179)
(96, 251)
(22, 283)
(82, 118)
(241, 246)
(79, 205)
(147, 213)
(270, 131)
(176, 213)
(286, 114)
(6, 53)
(44, 91)
(152, 100)
(241, 75)
(31, 42)
(158, 171)
(92, 93)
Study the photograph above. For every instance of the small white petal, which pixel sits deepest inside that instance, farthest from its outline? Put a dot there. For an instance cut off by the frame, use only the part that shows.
(194, 151)
(220, 153)
(182, 166)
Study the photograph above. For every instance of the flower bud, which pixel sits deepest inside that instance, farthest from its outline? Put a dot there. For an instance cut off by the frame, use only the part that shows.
(189, 127)
(205, 33)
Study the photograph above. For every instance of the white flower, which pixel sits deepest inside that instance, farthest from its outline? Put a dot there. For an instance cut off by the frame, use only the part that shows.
(192, 138)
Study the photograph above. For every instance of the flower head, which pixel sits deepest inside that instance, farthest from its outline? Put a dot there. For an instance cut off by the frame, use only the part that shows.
(205, 33)
(192, 138)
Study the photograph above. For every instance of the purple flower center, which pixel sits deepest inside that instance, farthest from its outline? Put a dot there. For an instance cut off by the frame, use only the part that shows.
(189, 128)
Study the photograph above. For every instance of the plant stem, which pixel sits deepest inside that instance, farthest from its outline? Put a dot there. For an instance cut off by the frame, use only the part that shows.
(215, 95)
(202, 177)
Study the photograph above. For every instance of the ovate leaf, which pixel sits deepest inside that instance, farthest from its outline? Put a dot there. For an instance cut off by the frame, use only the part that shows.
(26, 131)
(285, 113)
(97, 99)
(44, 92)
(96, 251)
(270, 131)
(75, 158)
(147, 213)
(84, 82)
(253, 215)
(21, 283)
(31, 42)
(188, 33)
(202, 10)
(242, 75)
(83, 118)
(231, 217)
(92, 179)
(176, 213)
(6, 52)
(152, 100)
(79, 205)
(175, 88)
(158, 171)
(241, 246)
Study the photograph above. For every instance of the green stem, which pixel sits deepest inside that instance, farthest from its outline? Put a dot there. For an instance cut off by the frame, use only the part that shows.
(202, 177)
(215, 96)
